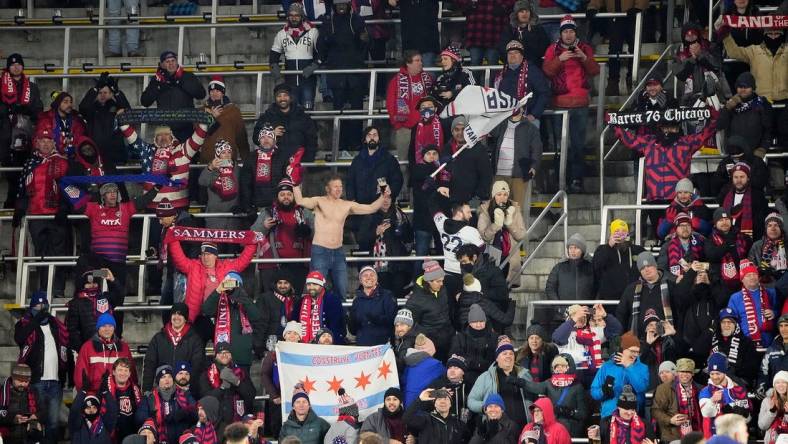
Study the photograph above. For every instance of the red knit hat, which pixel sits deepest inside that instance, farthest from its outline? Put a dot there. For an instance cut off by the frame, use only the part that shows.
(316, 277)
(217, 82)
(681, 218)
(746, 267)
(741, 166)
(452, 52)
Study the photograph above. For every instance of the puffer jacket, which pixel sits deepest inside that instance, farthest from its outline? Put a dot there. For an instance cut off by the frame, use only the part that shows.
(614, 269)
(478, 349)
(311, 431)
(635, 375)
(371, 317)
(432, 427)
(420, 370)
(768, 69)
(430, 312)
(569, 402)
(81, 316)
(161, 351)
(95, 361)
(100, 120)
(554, 431)
(488, 383)
(515, 232)
(571, 279)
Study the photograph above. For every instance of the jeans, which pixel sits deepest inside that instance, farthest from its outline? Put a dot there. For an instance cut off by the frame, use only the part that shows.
(478, 54)
(50, 394)
(113, 35)
(331, 261)
(423, 241)
(304, 93)
(578, 120)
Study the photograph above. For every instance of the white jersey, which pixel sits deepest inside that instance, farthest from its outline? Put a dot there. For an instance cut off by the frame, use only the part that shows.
(303, 49)
(452, 242)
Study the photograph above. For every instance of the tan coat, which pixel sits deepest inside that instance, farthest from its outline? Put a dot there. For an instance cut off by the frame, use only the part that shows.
(230, 128)
(516, 233)
(664, 407)
(770, 72)
(610, 5)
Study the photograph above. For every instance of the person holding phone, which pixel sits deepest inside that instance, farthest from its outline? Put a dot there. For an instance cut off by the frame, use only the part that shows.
(615, 262)
(675, 408)
(221, 180)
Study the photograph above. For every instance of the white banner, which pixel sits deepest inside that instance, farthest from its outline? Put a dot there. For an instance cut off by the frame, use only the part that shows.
(364, 372)
(484, 107)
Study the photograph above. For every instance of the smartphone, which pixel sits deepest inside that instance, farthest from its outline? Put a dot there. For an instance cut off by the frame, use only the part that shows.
(705, 266)
(382, 184)
(99, 274)
(226, 163)
(572, 48)
(231, 283)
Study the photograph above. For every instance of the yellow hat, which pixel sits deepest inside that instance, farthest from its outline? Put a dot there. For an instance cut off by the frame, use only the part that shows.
(617, 225)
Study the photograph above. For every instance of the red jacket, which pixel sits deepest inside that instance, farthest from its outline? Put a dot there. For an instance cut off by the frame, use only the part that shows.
(41, 188)
(95, 360)
(196, 274)
(418, 86)
(572, 78)
(554, 431)
(46, 120)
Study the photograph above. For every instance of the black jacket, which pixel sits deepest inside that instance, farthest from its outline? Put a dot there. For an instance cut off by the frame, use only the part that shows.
(244, 392)
(478, 349)
(535, 41)
(81, 318)
(759, 173)
(365, 169)
(527, 147)
(754, 125)
(29, 325)
(430, 311)
(30, 110)
(398, 239)
(78, 427)
(431, 427)
(453, 80)
(705, 301)
(614, 269)
(18, 403)
(420, 25)
(300, 130)
(174, 93)
(743, 364)
(650, 298)
(423, 190)
(471, 173)
(502, 431)
(100, 119)
(272, 318)
(570, 279)
(161, 351)
(401, 346)
(259, 195)
(340, 44)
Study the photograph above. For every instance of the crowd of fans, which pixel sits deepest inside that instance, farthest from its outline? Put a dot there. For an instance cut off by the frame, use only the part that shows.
(700, 328)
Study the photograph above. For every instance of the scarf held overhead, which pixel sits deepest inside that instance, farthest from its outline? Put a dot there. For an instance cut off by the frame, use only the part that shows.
(651, 117)
(191, 234)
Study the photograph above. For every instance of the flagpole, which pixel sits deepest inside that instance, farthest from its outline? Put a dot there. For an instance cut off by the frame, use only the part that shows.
(453, 156)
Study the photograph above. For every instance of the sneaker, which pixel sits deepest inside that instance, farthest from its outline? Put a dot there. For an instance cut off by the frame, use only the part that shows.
(612, 88)
(576, 187)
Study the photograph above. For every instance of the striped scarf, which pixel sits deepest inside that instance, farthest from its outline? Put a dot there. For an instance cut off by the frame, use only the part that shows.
(522, 79)
(687, 401)
(205, 433)
(310, 316)
(753, 317)
(10, 94)
(593, 346)
(406, 90)
(729, 265)
(223, 331)
(159, 407)
(773, 250)
(742, 213)
(626, 432)
(733, 347)
(676, 253)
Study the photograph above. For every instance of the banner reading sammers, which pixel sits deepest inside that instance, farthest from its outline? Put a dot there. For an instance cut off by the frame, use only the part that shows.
(365, 373)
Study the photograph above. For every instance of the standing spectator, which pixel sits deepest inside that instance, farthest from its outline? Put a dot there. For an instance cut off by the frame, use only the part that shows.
(501, 225)
(768, 253)
(699, 67)
(293, 128)
(748, 115)
(742, 36)
(755, 306)
(454, 381)
(371, 167)
(288, 228)
(700, 320)
(235, 313)
(675, 408)
(747, 205)
(42, 341)
(176, 342)
(725, 248)
(373, 310)
(270, 376)
(21, 408)
(228, 382)
(379, 34)
(114, 46)
(721, 395)
(39, 195)
(425, 232)
(87, 305)
(774, 361)
(729, 340)
(277, 306)
(484, 22)
(519, 77)
(231, 126)
(476, 343)
(403, 93)
(431, 418)
(302, 422)
(99, 106)
(624, 423)
(471, 171)
(495, 427)
(582, 335)
(127, 395)
(772, 415)
(428, 131)
(453, 77)
(689, 203)
(545, 424)
(615, 263)
(263, 171)
(566, 393)
(331, 211)
(523, 25)
(653, 98)
(343, 45)
(221, 180)
(166, 397)
(570, 64)
(537, 354)
(404, 336)
(623, 370)
(63, 121)
(97, 355)
(297, 41)
(429, 307)
(19, 108)
(680, 249)
(658, 348)
(388, 420)
(321, 309)
(173, 88)
(765, 60)
(92, 419)
(419, 27)
(572, 278)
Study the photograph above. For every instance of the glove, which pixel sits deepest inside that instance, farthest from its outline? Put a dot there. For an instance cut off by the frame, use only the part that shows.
(591, 13)
(276, 72)
(310, 70)
(104, 386)
(509, 215)
(632, 12)
(227, 375)
(607, 387)
(760, 392)
(160, 76)
(498, 217)
(733, 102)
(515, 381)
(113, 85)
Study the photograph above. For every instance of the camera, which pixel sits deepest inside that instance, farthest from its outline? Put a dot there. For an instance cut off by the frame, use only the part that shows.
(382, 184)
(226, 163)
(230, 283)
(99, 274)
(705, 266)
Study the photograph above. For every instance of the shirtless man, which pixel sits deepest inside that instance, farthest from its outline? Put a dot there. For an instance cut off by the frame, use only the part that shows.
(330, 214)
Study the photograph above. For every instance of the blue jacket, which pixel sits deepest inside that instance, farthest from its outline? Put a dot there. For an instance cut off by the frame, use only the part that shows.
(635, 375)
(365, 169)
(736, 303)
(420, 371)
(371, 317)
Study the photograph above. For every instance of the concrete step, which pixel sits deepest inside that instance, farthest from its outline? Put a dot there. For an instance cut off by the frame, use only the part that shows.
(591, 200)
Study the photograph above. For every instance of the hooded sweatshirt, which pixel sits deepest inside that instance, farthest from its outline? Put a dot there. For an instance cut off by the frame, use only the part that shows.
(553, 431)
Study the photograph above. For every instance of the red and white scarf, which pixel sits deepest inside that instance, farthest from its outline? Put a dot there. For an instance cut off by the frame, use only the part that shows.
(175, 337)
(225, 185)
(588, 339)
(223, 331)
(10, 94)
(742, 213)
(296, 32)
(262, 171)
(427, 133)
(753, 317)
(163, 160)
(310, 316)
(562, 379)
(619, 429)
(406, 90)
(687, 402)
(522, 79)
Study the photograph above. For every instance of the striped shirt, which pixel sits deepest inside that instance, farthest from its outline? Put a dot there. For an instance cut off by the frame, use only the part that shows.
(109, 229)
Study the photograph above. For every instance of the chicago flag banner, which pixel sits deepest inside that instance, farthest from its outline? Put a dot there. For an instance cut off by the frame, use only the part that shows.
(484, 107)
(365, 373)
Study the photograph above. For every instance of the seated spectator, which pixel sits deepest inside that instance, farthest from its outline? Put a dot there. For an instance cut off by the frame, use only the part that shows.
(403, 94)
(426, 131)
(371, 167)
(438, 426)
(737, 151)
(614, 268)
(523, 25)
(570, 64)
(421, 368)
(624, 424)
(173, 88)
(99, 106)
(476, 343)
(723, 248)
(229, 125)
(748, 115)
(519, 77)
(572, 278)
(183, 377)
(453, 77)
(647, 293)
(320, 309)
(88, 371)
(675, 408)
(388, 421)
(545, 424)
(63, 121)
(764, 58)
(278, 306)
(582, 335)
(221, 181)
(747, 205)
(653, 98)
(302, 422)
(537, 354)
(92, 419)
(229, 383)
(566, 393)
(388, 233)
(768, 253)
(721, 395)
(699, 67)
(345, 429)
(127, 395)
(176, 342)
(775, 360)
(700, 320)
(755, 306)
(293, 128)
(459, 387)
(501, 225)
(507, 379)
(470, 173)
(680, 249)
(494, 426)
(771, 418)
(208, 417)
(621, 376)
(729, 340)
(428, 305)
(297, 41)
(687, 201)
(263, 171)
(374, 309)
(87, 305)
(404, 336)
(165, 396)
(235, 314)
(659, 343)
(270, 376)
(23, 409)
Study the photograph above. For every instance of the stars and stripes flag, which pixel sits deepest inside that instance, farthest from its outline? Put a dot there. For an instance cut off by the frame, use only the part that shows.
(321, 370)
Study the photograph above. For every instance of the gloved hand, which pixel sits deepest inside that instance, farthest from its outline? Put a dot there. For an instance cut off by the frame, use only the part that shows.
(632, 12)
(760, 392)
(498, 217)
(515, 381)
(565, 411)
(160, 77)
(509, 215)
(228, 377)
(104, 386)
(591, 13)
(607, 387)
(310, 70)
(276, 72)
(733, 102)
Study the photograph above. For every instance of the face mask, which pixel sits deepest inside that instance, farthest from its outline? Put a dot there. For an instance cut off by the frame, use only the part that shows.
(466, 268)
(668, 138)
(426, 113)
(91, 417)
